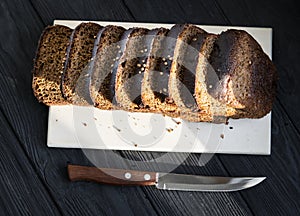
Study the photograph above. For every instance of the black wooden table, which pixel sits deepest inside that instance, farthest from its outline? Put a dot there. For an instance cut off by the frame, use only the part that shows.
(33, 177)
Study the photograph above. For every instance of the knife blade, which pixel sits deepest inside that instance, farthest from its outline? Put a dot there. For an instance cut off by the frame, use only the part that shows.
(166, 181)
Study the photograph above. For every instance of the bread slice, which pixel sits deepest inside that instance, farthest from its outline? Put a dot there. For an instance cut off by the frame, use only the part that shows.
(49, 64)
(210, 109)
(155, 85)
(246, 76)
(78, 58)
(129, 73)
(189, 46)
(108, 50)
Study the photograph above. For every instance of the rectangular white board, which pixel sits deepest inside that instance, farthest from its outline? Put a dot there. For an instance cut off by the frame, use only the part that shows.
(88, 127)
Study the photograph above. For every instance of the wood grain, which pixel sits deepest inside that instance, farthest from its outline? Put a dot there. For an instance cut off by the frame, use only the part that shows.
(22, 190)
(111, 176)
(281, 189)
(28, 120)
(34, 178)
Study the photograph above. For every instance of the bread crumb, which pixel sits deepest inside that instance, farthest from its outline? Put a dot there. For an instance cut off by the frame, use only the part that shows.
(222, 136)
(84, 124)
(119, 130)
(177, 122)
(169, 129)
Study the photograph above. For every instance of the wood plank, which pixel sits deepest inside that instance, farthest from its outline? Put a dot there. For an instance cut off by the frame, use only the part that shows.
(280, 192)
(28, 119)
(187, 203)
(253, 14)
(192, 11)
(88, 10)
(22, 190)
(52, 162)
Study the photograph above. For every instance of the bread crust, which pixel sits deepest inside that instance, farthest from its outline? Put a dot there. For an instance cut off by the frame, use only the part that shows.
(182, 72)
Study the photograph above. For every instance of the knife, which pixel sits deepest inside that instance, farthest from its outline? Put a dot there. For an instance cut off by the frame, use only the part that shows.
(166, 181)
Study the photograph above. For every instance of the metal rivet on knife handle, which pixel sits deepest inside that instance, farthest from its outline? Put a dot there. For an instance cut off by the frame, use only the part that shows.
(127, 175)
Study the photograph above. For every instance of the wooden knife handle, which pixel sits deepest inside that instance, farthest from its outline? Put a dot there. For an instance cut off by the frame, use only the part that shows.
(111, 176)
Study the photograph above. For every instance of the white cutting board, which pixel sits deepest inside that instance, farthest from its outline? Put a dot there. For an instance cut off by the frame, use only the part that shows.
(87, 127)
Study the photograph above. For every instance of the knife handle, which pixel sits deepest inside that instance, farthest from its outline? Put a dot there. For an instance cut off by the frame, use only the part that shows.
(111, 176)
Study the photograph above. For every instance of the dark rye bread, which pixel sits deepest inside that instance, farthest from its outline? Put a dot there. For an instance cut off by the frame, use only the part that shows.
(229, 75)
(107, 51)
(158, 71)
(153, 82)
(247, 77)
(78, 57)
(210, 108)
(182, 73)
(49, 64)
(129, 73)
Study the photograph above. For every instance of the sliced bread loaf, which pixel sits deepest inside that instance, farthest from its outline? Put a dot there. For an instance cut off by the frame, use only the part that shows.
(107, 51)
(78, 58)
(129, 73)
(49, 65)
(182, 72)
(246, 76)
